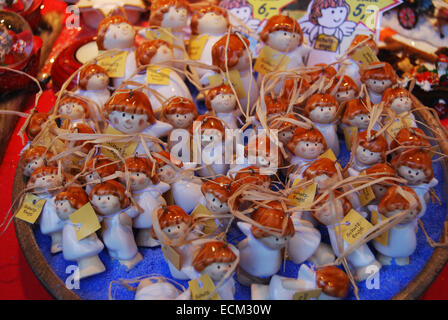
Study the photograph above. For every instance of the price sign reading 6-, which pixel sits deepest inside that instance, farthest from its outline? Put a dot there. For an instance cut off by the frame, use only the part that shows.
(264, 9)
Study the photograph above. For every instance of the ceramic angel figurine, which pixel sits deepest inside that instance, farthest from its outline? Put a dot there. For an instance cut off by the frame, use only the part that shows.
(283, 34)
(415, 166)
(260, 152)
(84, 252)
(306, 145)
(216, 193)
(147, 190)
(157, 289)
(402, 238)
(211, 22)
(35, 126)
(285, 129)
(159, 54)
(260, 252)
(72, 163)
(130, 112)
(369, 151)
(180, 112)
(378, 76)
(352, 68)
(97, 168)
(223, 103)
(217, 258)
(171, 15)
(93, 84)
(74, 110)
(360, 259)
(407, 138)
(42, 182)
(357, 115)
(33, 158)
(111, 203)
(236, 59)
(212, 135)
(275, 107)
(176, 225)
(334, 283)
(117, 33)
(301, 85)
(249, 175)
(344, 90)
(173, 172)
(322, 109)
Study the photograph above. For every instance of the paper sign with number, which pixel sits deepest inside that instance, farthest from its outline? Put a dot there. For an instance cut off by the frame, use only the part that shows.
(86, 220)
(264, 9)
(270, 60)
(202, 212)
(353, 226)
(125, 149)
(31, 208)
(375, 219)
(202, 287)
(115, 64)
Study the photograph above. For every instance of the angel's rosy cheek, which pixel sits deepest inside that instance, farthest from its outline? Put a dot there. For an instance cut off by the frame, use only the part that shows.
(303, 149)
(115, 121)
(141, 122)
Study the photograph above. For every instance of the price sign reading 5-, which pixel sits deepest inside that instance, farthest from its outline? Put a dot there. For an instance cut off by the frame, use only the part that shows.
(368, 12)
(264, 9)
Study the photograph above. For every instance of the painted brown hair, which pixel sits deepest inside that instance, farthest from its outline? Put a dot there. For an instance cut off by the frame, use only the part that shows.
(179, 105)
(142, 165)
(213, 252)
(111, 187)
(87, 72)
(172, 215)
(235, 49)
(212, 93)
(104, 25)
(131, 101)
(35, 125)
(148, 49)
(281, 23)
(273, 217)
(302, 134)
(76, 196)
(392, 200)
(415, 159)
(160, 7)
(35, 153)
(333, 281)
(220, 187)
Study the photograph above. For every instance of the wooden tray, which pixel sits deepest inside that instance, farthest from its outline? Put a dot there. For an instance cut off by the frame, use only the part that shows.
(56, 287)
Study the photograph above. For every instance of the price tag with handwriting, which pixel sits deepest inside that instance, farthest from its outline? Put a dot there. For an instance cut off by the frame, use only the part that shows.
(303, 197)
(202, 213)
(158, 75)
(115, 65)
(125, 149)
(365, 195)
(196, 46)
(270, 60)
(353, 226)
(160, 33)
(349, 134)
(202, 287)
(87, 220)
(31, 208)
(375, 219)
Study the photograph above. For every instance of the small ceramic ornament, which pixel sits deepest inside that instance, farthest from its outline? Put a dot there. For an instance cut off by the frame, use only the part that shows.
(357, 115)
(216, 193)
(368, 151)
(177, 175)
(161, 82)
(344, 90)
(111, 203)
(147, 191)
(207, 24)
(275, 107)
(260, 252)
(306, 145)
(285, 129)
(35, 125)
(217, 259)
(42, 182)
(74, 110)
(171, 15)
(97, 168)
(402, 239)
(130, 112)
(260, 152)
(72, 162)
(415, 166)
(381, 170)
(180, 113)
(301, 85)
(407, 138)
(93, 84)
(362, 258)
(334, 283)
(85, 251)
(222, 101)
(177, 225)
(212, 135)
(33, 158)
(322, 109)
(232, 53)
(117, 33)
(352, 69)
(283, 34)
(378, 76)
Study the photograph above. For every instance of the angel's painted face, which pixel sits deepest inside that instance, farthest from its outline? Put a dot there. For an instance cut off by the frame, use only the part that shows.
(33, 165)
(346, 95)
(333, 17)
(129, 122)
(284, 41)
(211, 136)
(326, 215)
(212, 23)
(64, 209)
(215, 205)
(119, 36)
(176, 231)
(72, 111)
(180, 121)
(98, 81)
(217, 270)
(166, 173)
(243, 13)
(360, 121)
(379, 190)
(323, 114)
(106, 204)
(367, 157)
(401, 104)
(378, 86)
(175, 18)
(137, 180)
(224, 103)
(413, 176)
(275, 242)
(285, 135)
(308, 150)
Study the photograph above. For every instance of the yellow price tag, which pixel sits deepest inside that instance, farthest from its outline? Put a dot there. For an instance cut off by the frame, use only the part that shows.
(173, 256)
(235, 78)
(87, 220)
(375, 219)
(264, 9)
(115, 65)
(303, 197)
(201, 212)
(196, 46)
(160, 33)
(202, 287)
(329, 154)
(349, 134)
(364, 56)
(31, 208)
(270, 60)
(353, 226)
(125, 149)
(399, 123)
(307, 294)
(326, 43)
(158, 75)
(365, 195)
